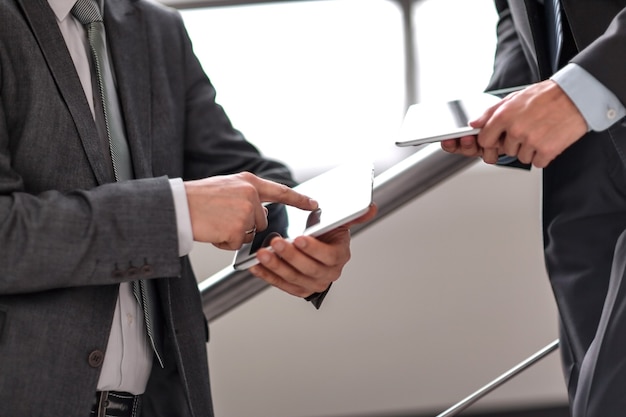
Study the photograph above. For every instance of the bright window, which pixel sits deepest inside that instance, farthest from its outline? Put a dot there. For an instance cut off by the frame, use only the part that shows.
(313, 83)
(310, 83)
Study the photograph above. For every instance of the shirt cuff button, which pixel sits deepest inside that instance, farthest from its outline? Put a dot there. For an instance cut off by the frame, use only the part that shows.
(611, 113)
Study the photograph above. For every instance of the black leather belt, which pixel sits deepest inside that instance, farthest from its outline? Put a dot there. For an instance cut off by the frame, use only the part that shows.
(116, 404)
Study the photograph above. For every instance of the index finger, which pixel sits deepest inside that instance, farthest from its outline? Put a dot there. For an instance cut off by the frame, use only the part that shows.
(273, 192)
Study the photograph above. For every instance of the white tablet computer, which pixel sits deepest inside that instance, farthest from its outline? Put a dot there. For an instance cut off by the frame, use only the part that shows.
(428, 122)
(343, 193)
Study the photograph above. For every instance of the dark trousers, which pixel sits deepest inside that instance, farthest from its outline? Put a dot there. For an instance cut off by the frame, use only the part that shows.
(602, 379)
(584, 215)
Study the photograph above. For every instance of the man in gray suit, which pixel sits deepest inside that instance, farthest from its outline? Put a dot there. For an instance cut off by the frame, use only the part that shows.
(72, 336)
(568, 122)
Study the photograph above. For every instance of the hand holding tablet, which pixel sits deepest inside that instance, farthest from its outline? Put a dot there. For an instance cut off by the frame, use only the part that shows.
(429, 122)
(343, 193)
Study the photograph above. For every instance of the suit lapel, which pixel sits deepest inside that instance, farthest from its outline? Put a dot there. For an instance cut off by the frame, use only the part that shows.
(45, 29)
(129, 49)
(529, 20)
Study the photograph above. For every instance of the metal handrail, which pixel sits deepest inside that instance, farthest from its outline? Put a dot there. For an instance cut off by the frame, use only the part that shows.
(393, 188)
(508, 375)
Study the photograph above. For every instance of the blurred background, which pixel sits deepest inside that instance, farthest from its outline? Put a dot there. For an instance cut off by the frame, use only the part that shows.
(441, 296)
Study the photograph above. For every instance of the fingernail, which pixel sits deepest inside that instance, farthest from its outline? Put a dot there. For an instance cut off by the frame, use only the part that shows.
(278, 245)
(313, 203)
(263, 257)
(300, 243)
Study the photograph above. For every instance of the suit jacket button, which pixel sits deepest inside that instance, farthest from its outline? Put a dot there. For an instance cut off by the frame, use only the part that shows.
(96, 358)
(117, 274)
(133, 271)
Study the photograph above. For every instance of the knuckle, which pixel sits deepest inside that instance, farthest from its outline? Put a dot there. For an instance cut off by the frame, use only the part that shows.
(343, 256)
(347, 256)
(283, 189)
(551, 150)
(247, 207)
(249, 191)
(262, 225)
(246, 176)
(340, 257)
(515, 132)
(316, 271)
(304, 292)
(534, 141)
(321, 286)
(234, 237)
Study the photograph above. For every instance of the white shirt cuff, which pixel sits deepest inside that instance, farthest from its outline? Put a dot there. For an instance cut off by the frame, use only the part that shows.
(598, 105)
(183, 220)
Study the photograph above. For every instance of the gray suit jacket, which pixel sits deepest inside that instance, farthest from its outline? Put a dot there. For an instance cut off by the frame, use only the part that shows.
(69, 235)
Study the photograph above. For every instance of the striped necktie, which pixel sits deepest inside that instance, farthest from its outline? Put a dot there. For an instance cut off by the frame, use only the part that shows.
(555, 30)
(88, 13)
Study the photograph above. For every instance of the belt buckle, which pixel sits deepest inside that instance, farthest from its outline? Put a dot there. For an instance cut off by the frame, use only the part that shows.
(115, 404)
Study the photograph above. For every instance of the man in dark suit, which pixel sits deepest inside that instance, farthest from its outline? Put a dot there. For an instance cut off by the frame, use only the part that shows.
(568, 123)
(74, 240)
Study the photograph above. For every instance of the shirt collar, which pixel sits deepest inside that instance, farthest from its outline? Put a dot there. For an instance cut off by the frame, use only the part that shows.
(62, 8)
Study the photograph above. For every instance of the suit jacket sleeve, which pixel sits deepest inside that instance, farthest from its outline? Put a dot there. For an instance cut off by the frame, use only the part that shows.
(212, 145)
(605, 58)
(58, 239)
(58, 227)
